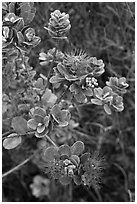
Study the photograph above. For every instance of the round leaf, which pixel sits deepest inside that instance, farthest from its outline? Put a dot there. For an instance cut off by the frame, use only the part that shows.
(64, 150)
(80, 97)
(84, 157)
(96, 101)
(19, 124)
(49, 98)
(12, 141)
(65, 180)
(107, 109)
(50, 153)
(32, 124)
(40, 129)
(75, 159)
(77, 148)
(40, 111)
(77, 180)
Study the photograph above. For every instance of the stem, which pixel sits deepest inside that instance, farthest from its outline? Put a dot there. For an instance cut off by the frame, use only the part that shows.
(5, 135)
(57, 41)
(50, 140)
(51, 67)
(17, 167)
(29, 133)
(63, 93)
(78, 110)
(26, 160)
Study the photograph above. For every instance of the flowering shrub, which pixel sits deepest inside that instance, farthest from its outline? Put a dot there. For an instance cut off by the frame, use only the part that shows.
(40, 108)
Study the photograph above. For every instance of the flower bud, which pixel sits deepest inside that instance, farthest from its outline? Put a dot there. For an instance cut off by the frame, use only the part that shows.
(59, 24)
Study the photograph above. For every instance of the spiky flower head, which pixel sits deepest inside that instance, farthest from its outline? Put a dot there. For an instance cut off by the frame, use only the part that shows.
(91, 169)
(77, 66)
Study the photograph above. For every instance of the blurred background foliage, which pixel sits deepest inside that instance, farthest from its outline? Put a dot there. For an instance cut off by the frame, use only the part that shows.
(106, 31)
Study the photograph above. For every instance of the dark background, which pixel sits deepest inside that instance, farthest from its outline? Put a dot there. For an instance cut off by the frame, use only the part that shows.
(106, 31)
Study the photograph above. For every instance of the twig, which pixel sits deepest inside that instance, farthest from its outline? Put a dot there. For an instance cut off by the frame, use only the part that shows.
(51, 67)
(130, 196)
(27, 160)
(17, 167)
(63, 93)
(5, 135)
(51, 141)
(130, 10)
(124, 174)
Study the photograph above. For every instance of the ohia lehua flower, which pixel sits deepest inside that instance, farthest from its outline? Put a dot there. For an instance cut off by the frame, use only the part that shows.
(39, 121)
(90, 170)
(62, 162)
(76, 67)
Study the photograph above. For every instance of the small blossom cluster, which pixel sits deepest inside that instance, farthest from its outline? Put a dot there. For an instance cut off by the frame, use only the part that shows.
(42, 119)
(111, 96)
(15, 33)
